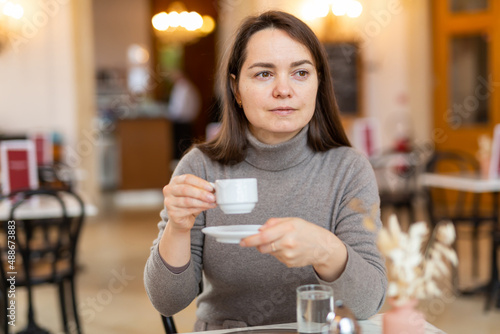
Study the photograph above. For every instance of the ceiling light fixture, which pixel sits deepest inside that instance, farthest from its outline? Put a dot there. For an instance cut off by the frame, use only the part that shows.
(180, 26)
(10, 14)
(319, 8)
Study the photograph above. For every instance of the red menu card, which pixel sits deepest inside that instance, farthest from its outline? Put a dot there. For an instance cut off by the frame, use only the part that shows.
(43, 148)
(18, 165)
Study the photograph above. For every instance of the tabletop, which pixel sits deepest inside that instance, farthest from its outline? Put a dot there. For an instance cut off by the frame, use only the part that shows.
(463, 182)
(370, 326)
(43, 207)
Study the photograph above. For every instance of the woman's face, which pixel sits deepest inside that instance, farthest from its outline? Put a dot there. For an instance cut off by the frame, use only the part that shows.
(277, 86)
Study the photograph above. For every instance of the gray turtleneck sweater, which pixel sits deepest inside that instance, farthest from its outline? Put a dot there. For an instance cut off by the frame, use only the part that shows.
(243, 287)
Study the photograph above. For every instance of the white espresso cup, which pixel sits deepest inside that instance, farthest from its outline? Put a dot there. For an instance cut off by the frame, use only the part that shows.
(236, 196)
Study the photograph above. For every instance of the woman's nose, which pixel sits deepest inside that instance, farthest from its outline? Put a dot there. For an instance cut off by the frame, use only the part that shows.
(282, 88)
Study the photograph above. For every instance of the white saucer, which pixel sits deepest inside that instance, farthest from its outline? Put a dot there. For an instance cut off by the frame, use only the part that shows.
(231, 234)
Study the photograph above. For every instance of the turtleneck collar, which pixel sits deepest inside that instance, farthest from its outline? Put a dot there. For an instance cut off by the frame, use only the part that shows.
(280, 156)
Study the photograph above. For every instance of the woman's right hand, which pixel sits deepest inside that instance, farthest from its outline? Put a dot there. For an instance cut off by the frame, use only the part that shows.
(185, 197)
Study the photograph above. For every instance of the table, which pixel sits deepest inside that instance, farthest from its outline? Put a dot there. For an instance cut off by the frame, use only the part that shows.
(41, 208)
(469, 183)
(370, 326)
(463, 182)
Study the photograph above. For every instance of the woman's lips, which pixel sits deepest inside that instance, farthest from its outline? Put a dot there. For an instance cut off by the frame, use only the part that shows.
(283, 111)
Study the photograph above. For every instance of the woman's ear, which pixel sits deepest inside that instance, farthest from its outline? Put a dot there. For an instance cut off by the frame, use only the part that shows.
(234, 88)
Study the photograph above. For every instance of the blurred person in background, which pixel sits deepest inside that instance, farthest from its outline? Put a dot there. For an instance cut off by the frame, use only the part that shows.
(184, 105)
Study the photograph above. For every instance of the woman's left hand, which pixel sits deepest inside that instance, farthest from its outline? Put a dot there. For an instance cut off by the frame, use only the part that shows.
(298, 243)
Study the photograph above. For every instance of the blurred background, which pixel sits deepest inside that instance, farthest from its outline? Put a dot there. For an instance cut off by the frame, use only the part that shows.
(123, 87)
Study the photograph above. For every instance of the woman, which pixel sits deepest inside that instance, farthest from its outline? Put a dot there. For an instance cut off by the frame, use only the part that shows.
(280, 124)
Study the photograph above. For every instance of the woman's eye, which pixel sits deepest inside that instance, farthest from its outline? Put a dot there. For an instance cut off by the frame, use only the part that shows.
(263, 74)
(302, 74)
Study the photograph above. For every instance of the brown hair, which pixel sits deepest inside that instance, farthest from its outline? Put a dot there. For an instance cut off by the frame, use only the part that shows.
(325, 128)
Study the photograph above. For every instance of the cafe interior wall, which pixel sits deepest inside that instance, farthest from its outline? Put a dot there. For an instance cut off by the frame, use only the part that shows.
(38, 75)
(47, 80)
(395, 44)
(117, 25)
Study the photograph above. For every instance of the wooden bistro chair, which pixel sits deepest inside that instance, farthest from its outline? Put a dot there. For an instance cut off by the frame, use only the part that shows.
(396, 174)
(452, 204)
(461, 207)
(46, 248)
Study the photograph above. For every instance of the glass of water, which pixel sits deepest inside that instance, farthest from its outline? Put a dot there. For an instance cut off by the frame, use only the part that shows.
(314, 303)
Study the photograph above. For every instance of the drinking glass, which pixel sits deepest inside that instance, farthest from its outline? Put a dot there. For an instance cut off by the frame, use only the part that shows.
(314, 303)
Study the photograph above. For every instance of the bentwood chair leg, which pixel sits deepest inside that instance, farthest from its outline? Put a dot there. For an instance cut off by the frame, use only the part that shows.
(475, 233)
(62, 301)
(411, 213)
(430, 209)
(5, 303)
(31, 312)
(75, 309)
(494, 284)
(454, 272)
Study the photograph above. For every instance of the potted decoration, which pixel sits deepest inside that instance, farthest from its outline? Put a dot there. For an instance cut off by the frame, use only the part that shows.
(415, 262)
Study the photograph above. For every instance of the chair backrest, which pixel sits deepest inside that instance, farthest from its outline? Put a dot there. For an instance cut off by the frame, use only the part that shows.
(396, 172)
(52, 236)
(452, 161)
(449, 204)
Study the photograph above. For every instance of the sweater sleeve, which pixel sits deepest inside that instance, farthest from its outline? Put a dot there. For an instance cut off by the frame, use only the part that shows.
(363, 283)
(172, 292)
